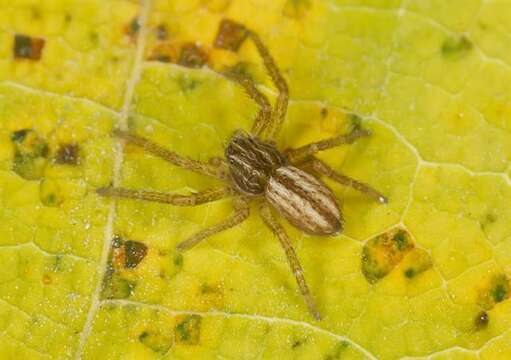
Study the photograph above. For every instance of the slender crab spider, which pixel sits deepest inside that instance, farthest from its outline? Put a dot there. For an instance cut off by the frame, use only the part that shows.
(254, 168)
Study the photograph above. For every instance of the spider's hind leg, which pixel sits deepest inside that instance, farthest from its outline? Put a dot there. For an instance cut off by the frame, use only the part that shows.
(294, 263)
(241, 213)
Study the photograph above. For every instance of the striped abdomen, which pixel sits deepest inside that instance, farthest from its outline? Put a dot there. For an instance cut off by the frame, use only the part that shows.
(304, 201)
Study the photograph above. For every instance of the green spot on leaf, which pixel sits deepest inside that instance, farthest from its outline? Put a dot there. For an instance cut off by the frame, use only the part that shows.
(381, 254)
(157, 342)
(496, 291)
(50, 193)
(188, 330)
(455, 48)
(187, 83)
(296, 9)
(117, 287)
(336, 353)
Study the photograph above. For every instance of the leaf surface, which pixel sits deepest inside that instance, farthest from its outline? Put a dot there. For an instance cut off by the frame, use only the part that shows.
(426, 276)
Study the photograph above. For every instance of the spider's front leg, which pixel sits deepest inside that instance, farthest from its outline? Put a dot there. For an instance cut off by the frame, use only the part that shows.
(201, 197)
(230, 36)
(264, 114)
(294, 263)
(214, 170)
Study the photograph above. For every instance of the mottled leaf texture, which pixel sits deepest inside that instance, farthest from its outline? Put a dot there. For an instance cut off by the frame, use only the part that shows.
(425, 276)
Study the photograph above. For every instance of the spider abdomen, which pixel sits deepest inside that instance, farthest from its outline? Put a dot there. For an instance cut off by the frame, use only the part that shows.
(304, 201)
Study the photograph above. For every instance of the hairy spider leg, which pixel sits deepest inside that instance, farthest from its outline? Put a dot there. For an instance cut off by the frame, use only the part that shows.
(294, 263)
(207, 169)
(265, 111)
(241, 212)
(273, 126)
(267, 120)
(303, 153)
(198, 198)
(323, 169)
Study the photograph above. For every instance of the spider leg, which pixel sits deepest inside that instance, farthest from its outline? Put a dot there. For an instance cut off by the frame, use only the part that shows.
(264, 114)
(241, 213)
(304, 152)
(323, 169)
(170, 156)
(173, 199)
(280, 108)
(294, 263)
(230, 36)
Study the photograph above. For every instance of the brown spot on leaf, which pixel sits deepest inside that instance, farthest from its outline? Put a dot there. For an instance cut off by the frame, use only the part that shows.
(164, 52)
(19, 135)
(134, 253)
(126, 254)
(68, 154)
(26, 47)
(481, 320)
(119, 281)
(382, 253)
(230, 35)
(496, 290)
(188, 329)
(298, 342)
(161, 32)
(324, 112)
(192, 56)
(46, 279)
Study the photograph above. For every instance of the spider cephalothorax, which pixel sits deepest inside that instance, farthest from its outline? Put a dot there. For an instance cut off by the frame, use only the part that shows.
(252, 162)
(255, 167)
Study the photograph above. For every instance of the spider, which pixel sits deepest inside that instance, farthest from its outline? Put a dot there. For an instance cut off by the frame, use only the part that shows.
(254, 167)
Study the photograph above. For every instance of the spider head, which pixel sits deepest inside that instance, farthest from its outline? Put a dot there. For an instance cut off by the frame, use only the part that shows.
(252, 161)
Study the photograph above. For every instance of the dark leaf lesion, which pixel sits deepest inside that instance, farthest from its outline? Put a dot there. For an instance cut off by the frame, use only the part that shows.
(125, 255)
(192, 55)
(494, 290)
(68, 154)
(30, 154)
(456, 47)
(187, 330)
(382, 253)
(481, 320)
(27, 47)
(230, 35)
(157, 341)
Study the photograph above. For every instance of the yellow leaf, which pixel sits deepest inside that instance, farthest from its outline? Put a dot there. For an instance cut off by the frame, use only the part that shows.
(84, 277)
